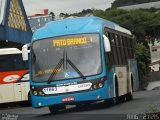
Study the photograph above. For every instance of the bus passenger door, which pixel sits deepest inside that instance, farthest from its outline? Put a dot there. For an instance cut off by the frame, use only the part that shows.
(17, 92)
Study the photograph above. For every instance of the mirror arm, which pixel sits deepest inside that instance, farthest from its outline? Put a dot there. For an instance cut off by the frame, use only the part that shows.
(107, 45)
(25, 51)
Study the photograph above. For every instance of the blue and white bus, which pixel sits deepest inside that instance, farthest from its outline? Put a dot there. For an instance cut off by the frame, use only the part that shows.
(78, 60)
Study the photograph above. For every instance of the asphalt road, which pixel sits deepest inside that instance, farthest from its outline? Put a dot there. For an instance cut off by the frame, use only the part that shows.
(143, 101)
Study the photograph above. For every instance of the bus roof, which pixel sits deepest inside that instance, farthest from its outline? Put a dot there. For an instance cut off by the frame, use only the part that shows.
(76, 26)
(7, 51)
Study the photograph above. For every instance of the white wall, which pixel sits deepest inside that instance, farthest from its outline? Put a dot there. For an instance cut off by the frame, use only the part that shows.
(153, 85)
(155, 67)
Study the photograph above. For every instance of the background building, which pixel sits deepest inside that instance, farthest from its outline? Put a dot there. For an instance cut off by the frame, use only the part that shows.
(155, 55)
(37, 21)
(14, 26)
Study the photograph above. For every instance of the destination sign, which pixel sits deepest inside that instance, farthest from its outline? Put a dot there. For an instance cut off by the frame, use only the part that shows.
(71, 41)
(48, 71)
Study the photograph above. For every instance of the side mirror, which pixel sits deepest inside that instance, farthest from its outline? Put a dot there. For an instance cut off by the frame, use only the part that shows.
(25, 52)
(107, 45)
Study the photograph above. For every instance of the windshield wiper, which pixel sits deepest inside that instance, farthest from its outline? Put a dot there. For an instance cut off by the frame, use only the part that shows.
(64, 61)
(75, 68)
(55, 71)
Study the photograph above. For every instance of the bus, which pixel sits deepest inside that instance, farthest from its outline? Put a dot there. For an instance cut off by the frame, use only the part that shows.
(81, 60)
(14, 76)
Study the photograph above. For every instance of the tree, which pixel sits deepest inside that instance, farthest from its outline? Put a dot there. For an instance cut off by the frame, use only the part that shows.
(53, 15)
(143, 61)
(120, 3)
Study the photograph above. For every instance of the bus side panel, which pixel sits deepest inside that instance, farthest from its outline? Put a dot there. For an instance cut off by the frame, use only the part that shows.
(27, 89)
(7, 93)
(134, 70)
(122, 76)
(110, 82)
(25, 86)
(121, 73)
(13, 87)
(17, 92)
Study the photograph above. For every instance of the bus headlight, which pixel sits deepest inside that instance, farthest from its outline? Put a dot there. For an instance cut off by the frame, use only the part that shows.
(35, 93)
(100, 85)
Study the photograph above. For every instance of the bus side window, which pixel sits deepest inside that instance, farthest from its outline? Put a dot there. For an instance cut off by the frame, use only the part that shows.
(115, 50)
(126, 47)
(132, 49)
(129, 48)
(25, 65)
(118, 45)
(5, 64)
(19, 64)
(124, 50)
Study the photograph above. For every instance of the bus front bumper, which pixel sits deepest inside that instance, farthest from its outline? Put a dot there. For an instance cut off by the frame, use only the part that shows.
(94, 95)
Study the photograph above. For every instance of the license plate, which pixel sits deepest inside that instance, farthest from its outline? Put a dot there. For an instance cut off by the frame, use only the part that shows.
(67, 99)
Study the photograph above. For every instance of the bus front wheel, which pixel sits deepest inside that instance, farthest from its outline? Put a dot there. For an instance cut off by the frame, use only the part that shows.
(129, 96)
(29, 98)
(115, 100)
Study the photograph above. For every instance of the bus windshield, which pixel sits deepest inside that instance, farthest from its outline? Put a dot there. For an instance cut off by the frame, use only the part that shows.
(83, 50)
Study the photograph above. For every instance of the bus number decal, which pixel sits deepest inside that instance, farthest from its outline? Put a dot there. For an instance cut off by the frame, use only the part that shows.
(11, 78)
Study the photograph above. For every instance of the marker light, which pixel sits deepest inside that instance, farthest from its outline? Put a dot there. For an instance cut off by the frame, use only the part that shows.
(100, 85)
(39, 104)
(98, 97)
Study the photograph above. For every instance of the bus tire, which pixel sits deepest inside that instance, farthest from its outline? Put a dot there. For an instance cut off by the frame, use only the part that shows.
(29, 98)
(129, 96)
(27, 102)
(109, 102)
(115, 100)
(82, 105)
(56, 108)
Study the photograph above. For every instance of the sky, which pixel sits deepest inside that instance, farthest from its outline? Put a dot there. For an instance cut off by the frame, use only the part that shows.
(64, 6)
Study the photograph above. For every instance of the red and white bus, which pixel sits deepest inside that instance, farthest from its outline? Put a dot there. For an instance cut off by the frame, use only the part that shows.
(14, 76)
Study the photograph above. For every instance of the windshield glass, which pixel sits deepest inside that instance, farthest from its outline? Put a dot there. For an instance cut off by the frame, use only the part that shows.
(83, 50)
